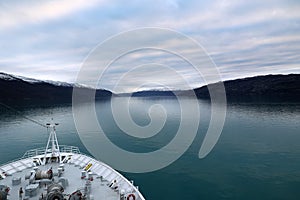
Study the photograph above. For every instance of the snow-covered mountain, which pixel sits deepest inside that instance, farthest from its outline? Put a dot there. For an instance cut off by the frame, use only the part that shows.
(19, 88)
(10, 77)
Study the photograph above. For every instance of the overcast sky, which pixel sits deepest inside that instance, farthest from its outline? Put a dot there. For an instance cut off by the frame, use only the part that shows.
(49, 40)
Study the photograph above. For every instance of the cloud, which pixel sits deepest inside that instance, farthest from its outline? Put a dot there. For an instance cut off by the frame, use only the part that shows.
(18, 13)
(244, 38)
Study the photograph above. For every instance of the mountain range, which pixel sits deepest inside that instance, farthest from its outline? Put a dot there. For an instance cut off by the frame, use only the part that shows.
(269, 88)
(18, 88)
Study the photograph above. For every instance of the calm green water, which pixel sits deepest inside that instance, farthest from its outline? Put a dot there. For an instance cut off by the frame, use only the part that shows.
(257, 156)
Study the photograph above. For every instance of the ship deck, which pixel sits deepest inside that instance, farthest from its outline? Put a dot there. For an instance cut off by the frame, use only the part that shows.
(71, 178)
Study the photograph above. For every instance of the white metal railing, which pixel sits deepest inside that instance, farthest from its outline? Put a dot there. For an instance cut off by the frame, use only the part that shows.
(41, 151)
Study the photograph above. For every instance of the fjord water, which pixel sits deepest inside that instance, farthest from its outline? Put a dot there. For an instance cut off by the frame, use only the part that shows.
(256, 157)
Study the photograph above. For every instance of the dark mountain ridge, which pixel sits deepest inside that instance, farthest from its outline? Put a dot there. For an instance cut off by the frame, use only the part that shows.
(151, 93)
(21, 89)
(269, 88)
